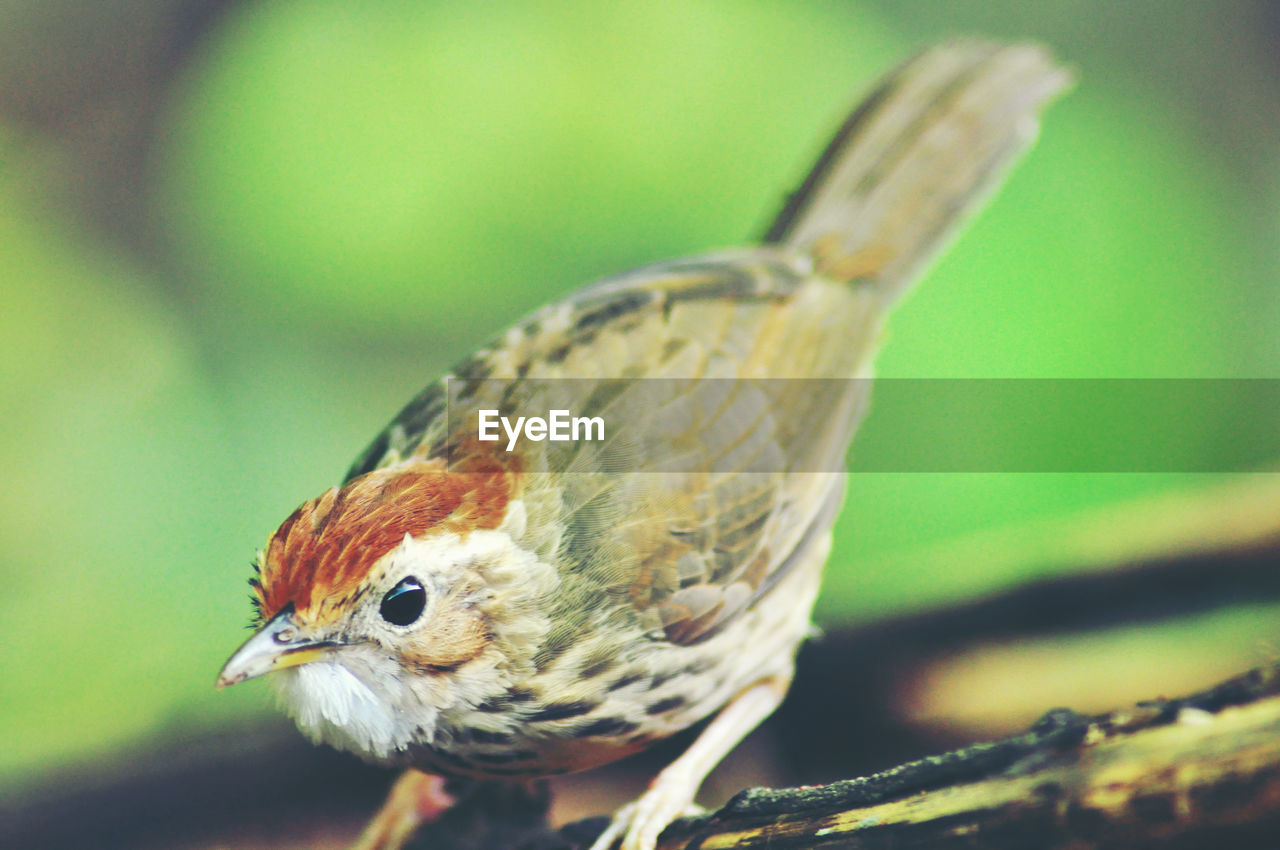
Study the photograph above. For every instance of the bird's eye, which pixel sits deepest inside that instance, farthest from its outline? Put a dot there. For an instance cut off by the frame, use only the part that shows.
(403, 603)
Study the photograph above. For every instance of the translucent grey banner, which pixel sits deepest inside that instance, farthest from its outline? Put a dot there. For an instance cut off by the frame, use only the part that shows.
(723, 425)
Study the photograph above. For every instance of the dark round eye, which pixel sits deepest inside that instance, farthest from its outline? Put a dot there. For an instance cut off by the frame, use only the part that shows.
(403, 603)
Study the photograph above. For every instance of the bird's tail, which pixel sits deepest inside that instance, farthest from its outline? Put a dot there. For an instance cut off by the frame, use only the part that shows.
(918, 156)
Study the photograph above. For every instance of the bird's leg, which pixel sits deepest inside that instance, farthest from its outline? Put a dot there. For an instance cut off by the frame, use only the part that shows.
(415, 798)
(671, 793)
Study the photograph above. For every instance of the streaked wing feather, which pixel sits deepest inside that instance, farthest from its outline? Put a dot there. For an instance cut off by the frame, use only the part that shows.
(687, 514)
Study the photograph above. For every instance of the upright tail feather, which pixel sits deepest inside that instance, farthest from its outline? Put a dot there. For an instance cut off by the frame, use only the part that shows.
(917, 158)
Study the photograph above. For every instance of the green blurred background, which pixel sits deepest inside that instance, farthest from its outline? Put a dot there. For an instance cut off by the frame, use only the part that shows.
(236, 237)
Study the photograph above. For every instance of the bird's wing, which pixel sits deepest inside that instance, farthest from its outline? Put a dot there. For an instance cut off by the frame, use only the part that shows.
(724, 385)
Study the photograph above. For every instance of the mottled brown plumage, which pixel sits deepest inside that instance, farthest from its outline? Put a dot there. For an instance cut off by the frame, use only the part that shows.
(469, 610)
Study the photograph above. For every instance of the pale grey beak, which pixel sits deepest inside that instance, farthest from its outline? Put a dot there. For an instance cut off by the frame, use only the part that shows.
(276, 646)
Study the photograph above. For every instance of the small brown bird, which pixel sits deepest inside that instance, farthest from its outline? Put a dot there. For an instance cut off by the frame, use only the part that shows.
(510, 607)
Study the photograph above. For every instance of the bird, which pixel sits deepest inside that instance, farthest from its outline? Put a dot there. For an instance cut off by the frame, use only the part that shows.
(520, 606)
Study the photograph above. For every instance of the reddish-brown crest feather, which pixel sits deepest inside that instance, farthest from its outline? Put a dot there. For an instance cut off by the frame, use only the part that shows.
(321, 553)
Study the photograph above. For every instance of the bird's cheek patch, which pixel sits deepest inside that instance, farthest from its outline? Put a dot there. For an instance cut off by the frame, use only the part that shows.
(451, 636)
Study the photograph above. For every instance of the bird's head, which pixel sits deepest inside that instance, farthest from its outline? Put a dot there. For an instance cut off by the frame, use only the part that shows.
(400, 596)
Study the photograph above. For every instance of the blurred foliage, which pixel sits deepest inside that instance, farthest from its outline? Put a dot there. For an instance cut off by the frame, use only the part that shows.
(333, 202)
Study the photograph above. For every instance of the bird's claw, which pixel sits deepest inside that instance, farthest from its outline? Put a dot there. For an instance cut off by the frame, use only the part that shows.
(641, 822)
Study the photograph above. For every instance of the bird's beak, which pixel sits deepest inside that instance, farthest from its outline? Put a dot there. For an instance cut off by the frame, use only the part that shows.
(277, 645)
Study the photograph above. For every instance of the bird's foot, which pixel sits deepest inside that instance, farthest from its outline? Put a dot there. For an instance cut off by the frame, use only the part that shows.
(416, 798)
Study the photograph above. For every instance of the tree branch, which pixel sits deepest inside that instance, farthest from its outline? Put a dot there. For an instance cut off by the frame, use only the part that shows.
(1199, 771)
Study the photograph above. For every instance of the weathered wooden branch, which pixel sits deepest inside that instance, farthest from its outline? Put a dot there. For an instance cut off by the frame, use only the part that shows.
(1199, 771)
